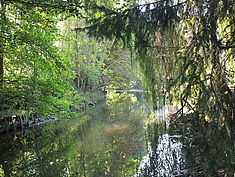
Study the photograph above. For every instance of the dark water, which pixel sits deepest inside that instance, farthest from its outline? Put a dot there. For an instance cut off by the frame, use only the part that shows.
(120, 138)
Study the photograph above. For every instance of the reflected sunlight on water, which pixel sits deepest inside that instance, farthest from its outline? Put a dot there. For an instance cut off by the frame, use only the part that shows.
(167, 159)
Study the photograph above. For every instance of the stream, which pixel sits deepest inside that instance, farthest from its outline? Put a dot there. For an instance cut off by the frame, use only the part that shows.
(121, 137)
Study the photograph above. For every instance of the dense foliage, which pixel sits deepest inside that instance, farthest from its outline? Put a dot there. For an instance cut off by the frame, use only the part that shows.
(33, 72)
(185, 50)
(46, 66)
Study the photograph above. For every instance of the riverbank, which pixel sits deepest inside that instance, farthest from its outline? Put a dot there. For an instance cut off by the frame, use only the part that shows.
(13, 120)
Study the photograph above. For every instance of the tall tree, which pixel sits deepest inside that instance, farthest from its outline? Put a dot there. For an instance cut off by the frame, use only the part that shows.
(2, 38)
(35, 74)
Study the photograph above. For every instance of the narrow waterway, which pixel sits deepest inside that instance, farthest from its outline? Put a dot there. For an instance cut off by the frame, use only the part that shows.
(119, 138)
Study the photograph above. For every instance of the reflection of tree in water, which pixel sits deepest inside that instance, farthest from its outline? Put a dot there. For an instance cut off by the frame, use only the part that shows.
(164, 156)
(192, 147)
(109, 144)
(117, 136)
(208, 145)
(106, 145)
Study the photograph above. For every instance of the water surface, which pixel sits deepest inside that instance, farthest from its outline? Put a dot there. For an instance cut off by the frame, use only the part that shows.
(119, 138)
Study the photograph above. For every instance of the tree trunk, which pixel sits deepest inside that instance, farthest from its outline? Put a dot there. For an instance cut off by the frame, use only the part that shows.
(78, 84)
(2, 19)
(1, 66)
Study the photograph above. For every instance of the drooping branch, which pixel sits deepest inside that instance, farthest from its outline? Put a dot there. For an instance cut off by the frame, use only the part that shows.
(53, 4)
(227, 47)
